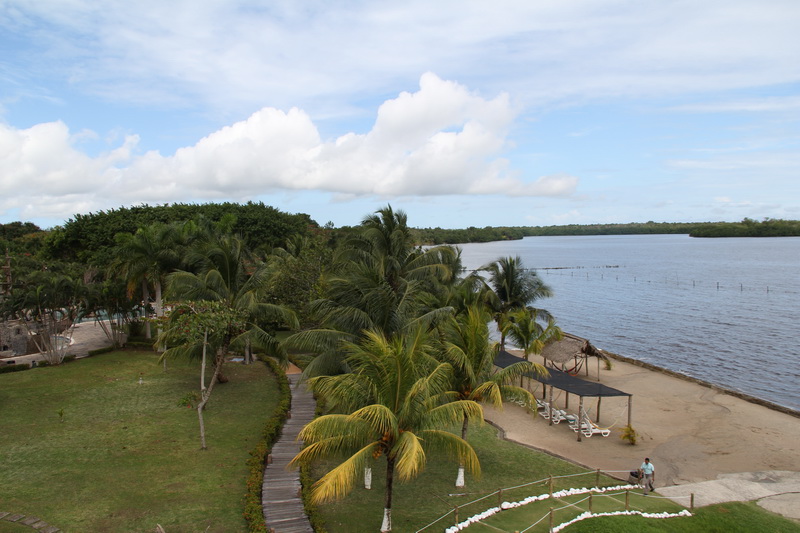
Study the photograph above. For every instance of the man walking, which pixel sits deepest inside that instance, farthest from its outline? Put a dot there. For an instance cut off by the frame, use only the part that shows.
(648, 476)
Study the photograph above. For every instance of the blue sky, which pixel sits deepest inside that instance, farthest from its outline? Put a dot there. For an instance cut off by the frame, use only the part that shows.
(460, 113)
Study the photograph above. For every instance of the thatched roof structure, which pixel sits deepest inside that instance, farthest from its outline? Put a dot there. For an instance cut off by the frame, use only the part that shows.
(570, 348)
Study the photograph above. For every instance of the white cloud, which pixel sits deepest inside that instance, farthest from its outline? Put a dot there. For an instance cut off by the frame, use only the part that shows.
(439, 140)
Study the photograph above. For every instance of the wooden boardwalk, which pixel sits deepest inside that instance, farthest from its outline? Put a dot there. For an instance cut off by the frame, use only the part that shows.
(280, 493)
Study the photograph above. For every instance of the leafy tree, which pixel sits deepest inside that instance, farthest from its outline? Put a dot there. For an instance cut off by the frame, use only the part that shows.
(394, 397)
(191, 328)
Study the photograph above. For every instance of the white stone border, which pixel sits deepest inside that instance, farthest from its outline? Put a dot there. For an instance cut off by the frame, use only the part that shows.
(560, 494)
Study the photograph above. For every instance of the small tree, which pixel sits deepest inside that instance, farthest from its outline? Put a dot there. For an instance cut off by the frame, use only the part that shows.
(192, 328)
(112, 308)
(46, 306)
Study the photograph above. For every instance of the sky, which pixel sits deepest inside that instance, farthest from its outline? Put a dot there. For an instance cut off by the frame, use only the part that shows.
(460, 113)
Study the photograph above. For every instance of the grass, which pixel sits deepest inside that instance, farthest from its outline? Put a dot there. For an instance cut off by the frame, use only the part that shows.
(126, 456)
(432, 495)
(735, 517)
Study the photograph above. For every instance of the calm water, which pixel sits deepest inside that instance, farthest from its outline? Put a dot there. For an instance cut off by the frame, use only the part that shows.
(723, 310)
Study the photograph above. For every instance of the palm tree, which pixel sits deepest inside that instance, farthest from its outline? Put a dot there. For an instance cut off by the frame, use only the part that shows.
(531, 336)
(469, 352)
(379, 281)
(513, 287)
(395, 397)
(228, 303)
(144, 258)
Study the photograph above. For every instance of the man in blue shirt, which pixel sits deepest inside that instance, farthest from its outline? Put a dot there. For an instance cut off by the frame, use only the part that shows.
(648, 475)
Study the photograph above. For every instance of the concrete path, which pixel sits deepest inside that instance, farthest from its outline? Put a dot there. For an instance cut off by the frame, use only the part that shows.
(86, 336)
(30, 521)
(775, 490)
(281, 498)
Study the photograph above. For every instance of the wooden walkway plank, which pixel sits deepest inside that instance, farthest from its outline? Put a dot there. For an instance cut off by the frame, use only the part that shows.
(281, 499)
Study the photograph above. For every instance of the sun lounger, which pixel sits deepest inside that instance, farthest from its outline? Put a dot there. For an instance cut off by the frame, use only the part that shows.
(589, 428)
(560, 415)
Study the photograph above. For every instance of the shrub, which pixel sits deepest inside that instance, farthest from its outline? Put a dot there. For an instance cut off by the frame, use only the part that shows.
(14, 368)
(102, 350)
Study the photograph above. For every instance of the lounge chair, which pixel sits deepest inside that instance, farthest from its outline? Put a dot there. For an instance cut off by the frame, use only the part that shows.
(559, 415)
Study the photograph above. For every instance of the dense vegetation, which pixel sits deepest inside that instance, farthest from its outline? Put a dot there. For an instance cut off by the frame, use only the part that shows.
(89, 238)
(749, 228)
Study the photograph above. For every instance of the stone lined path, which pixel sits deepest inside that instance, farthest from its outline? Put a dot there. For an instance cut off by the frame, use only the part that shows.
(280, 493)
(36, 523)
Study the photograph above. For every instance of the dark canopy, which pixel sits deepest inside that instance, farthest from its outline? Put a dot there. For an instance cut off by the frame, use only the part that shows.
(562, 380)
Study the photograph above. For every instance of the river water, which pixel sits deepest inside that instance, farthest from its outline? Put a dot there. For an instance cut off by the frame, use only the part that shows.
(726, 311)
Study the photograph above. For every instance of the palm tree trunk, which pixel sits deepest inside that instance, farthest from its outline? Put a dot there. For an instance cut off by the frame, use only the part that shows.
(146, 298)
(387, 507)
(460, 482)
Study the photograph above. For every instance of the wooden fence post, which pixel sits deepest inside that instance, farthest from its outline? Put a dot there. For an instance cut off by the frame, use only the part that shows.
(456, 514)
(499, 497)
(551, 485)
(597, 478)
(590, 502)
(691, 503)
(551, 519)
(627, 499)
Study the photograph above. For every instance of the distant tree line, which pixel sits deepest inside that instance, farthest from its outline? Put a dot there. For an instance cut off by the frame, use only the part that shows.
(749, 228)
(746, 228)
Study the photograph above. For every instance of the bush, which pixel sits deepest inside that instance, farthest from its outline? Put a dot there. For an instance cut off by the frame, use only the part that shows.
(101, 350)
(14, 368)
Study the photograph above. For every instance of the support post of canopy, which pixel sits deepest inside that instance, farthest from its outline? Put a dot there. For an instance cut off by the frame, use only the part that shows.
(599, 398)
(580, 419)
(550, 407)
(630, 409)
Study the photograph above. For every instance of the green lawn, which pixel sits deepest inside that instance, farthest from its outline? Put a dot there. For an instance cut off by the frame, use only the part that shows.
(126, 456)
(432, 495)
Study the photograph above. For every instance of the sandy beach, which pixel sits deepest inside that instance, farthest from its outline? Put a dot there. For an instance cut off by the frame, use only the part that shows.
(691, 432)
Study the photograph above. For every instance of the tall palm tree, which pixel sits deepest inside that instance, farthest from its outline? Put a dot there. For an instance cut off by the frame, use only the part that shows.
(513, 287)
(379, 281)
(468, 350)
(144, 258)
(395, 397)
